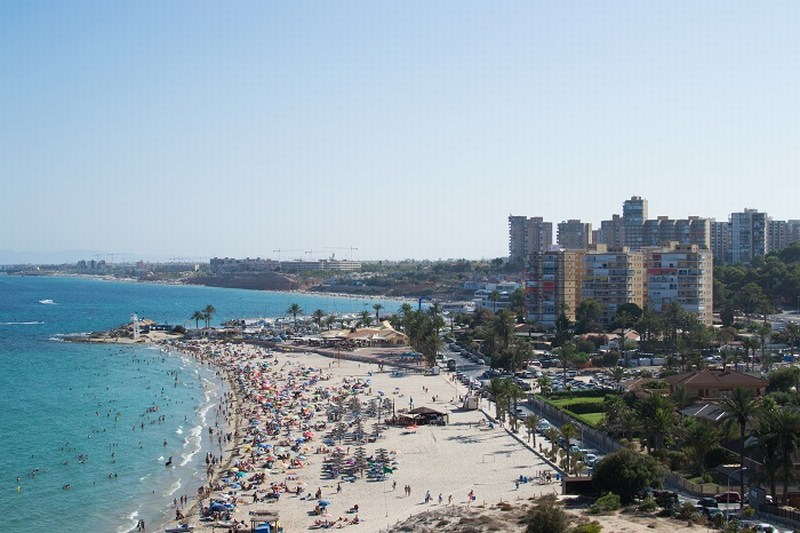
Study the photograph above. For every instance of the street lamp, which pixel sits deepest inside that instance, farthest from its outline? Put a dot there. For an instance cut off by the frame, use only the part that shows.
(741, 496)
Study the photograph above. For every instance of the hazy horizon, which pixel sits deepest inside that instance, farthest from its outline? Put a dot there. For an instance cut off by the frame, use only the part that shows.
(406, 130)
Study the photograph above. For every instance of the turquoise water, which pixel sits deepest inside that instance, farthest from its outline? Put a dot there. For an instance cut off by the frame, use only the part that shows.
(103, 419)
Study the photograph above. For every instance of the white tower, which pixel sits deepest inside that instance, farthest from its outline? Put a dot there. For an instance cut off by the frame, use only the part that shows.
(135, 323)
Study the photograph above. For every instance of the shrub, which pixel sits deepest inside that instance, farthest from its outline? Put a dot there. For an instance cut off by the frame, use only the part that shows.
(627, 473)
(546, 518)
(606, 503)
(584, 408)
(591, 527)
(648, 504)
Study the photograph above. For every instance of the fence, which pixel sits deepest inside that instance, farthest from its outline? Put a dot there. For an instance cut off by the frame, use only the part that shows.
(705, 489)
(594, 438)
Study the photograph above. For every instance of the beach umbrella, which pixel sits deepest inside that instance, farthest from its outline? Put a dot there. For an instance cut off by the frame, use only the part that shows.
(324, 503)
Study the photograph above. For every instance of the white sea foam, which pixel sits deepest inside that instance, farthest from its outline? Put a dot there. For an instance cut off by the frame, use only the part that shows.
(175, 487)
(179, 431)
(47, 301)
(27, 323)
(195, 442)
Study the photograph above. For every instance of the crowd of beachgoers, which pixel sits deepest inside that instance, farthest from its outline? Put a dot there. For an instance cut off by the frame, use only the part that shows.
(311, 439)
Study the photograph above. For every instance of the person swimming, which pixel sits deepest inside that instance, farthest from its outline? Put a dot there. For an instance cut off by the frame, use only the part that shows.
(169, 461)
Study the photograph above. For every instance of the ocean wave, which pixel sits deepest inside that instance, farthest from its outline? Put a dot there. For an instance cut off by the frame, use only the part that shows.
(25, 323)
(47, 301)
(179, 431)
(175, 487)
(195, 441)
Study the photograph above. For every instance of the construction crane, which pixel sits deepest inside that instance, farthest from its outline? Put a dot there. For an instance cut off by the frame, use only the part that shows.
(279, 250)
(351, 249)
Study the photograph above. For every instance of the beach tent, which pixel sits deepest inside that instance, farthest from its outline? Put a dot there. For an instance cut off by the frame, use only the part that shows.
(427, 415)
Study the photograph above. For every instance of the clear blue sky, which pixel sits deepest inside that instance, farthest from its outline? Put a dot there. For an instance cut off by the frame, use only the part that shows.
(407, 129)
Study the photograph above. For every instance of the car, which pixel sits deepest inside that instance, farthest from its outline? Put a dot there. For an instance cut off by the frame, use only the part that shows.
(589, 459)
(480, 361)
(543, 426)
(707, 501)
(728, 497)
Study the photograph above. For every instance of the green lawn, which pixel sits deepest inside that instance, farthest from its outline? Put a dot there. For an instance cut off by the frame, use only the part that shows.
(563, 402)
(590, 419)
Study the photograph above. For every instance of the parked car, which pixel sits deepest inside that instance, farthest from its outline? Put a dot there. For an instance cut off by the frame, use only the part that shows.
(728, 497)
(707, 501)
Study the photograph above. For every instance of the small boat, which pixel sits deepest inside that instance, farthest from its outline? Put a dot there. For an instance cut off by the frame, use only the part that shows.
(180, 528)
(47, 301)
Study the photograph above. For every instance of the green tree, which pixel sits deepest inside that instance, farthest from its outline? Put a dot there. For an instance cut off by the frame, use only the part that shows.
(518, 304)
(657, 416)
(294, 310)
(627, 473)
(365, 318)
(763, 333)
(330, 320)
(587, 316)
(566, 354)
(377, 308)
(701, 438)
(739, 406)
(568, 432)
(197, 316)
(498, 389)
(208, 314)
(531, 422)
(792, 332)
(317, 317)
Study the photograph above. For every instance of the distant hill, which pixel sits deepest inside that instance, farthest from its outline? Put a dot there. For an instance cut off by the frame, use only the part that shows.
(262, 281)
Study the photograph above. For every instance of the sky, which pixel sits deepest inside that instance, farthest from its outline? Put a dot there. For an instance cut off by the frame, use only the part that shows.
(192, 129)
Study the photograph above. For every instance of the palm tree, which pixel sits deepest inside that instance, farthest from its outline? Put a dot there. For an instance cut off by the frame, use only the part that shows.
(792, 333)
(544, 384)
(786, 429)
(763, 332)
(617, 373)
(498, 389)
(208, 314)
(750, 345)
(738, 407)
(531, 422)
(515, 393)
(568, 432)
(294, 310)
(330, 320)
(565, 354)
(317, 317)
(377, 308)
(197, 316)
(366, 318)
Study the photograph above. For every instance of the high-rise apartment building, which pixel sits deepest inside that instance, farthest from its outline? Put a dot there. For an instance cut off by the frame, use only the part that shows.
(527, 236)
(749, 236)
(613, 278)
(574, 235)
(792, 231)
(611, 232)
(721, 241)
(682, 274)
(554, 285)
(777, 233)
(634, 213)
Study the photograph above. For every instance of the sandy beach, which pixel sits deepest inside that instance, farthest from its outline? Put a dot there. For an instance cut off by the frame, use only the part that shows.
(282, 411)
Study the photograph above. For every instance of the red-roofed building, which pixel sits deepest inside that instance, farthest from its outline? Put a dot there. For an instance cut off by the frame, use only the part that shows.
(716, 384)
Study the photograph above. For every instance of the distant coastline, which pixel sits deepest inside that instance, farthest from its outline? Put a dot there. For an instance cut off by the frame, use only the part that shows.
(299, 289)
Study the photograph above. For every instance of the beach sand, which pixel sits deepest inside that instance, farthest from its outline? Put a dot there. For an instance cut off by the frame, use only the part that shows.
(451, 460)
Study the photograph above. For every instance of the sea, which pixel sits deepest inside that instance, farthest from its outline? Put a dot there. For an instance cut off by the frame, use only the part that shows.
(86, 429)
